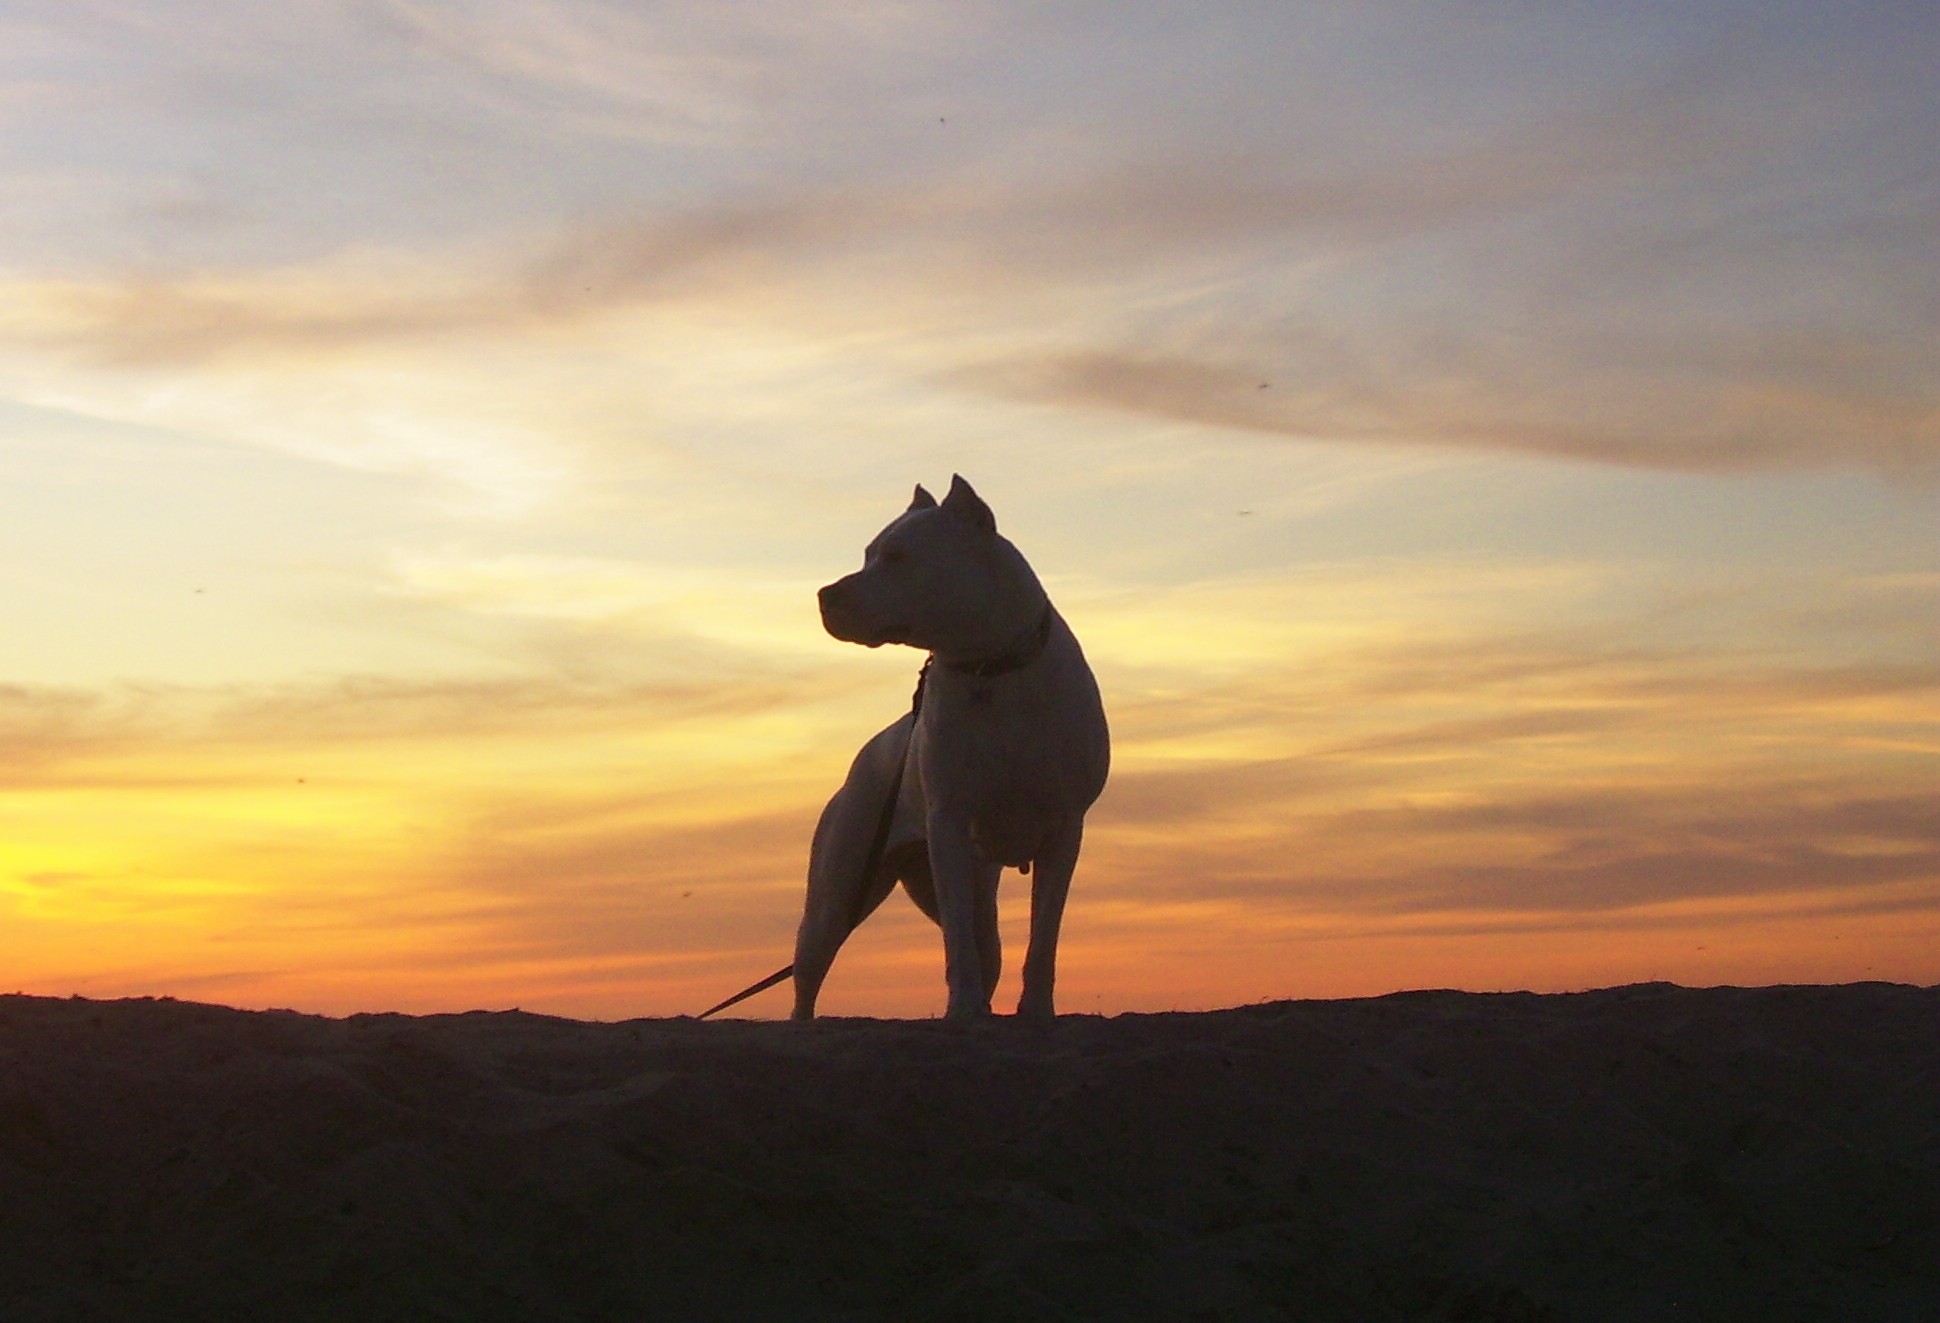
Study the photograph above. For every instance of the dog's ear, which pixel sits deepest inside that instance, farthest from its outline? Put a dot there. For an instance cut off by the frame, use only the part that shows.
(964, 503)
(922, 500)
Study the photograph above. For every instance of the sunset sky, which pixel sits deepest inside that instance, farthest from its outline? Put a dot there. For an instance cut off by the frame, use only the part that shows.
(1490, 453)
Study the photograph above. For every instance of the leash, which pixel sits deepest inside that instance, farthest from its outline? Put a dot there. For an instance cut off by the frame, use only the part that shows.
(884, 822)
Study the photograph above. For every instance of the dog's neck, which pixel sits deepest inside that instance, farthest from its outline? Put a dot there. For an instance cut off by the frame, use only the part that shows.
(1021, 653)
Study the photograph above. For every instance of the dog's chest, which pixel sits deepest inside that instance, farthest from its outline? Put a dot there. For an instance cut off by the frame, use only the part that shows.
(985, 747)
(1007, 755)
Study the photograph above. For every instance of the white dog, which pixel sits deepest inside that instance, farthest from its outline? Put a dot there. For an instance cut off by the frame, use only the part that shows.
(997, 767)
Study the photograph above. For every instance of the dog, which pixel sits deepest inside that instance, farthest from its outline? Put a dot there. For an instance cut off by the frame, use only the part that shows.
(995, 768)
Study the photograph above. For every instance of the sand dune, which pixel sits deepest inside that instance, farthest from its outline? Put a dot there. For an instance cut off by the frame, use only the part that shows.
(1649, 1152)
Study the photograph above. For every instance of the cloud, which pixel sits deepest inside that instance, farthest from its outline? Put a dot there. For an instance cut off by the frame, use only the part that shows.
(285, 362)
(1648, 388)
(151, 323)
(1761, 867)
(41, 727)
(696, 618)
(1478, 779)
(1699, 411)
(1667, 271)
(392, 708)
(645, 72)
(622, 883)
(1516, 851)
(185, 736)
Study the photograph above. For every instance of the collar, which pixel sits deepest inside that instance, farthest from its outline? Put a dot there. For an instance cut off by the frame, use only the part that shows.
(1017, 658)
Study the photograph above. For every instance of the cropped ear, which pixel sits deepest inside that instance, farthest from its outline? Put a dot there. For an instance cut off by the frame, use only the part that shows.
(922, 500)
(964, 503)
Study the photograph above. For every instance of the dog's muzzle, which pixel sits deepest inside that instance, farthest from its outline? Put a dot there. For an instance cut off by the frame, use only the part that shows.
(839, 617)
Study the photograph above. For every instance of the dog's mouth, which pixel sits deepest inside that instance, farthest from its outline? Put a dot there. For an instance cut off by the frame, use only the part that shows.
(891, 635)
(868, 638)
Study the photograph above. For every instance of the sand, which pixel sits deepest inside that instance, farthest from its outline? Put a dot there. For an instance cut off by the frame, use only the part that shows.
(1648, 1152)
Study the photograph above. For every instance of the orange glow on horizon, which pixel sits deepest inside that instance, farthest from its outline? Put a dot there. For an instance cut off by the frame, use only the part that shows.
(1329, 831)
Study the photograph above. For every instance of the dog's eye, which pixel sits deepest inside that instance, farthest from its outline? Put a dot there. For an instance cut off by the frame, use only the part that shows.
(893, 557)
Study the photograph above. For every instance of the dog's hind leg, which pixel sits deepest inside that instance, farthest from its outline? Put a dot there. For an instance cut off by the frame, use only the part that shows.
(843, 886)
(841, 893)
(1050, 884)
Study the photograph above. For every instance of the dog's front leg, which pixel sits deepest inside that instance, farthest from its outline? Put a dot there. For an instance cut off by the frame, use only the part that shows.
(1050, 884)
(966, 885)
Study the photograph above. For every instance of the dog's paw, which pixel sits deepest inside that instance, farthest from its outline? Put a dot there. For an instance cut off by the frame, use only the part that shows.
(967, 1011)
(1036, 1011)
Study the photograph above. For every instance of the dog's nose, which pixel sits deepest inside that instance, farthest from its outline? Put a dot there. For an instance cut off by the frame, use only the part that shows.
(829, 595)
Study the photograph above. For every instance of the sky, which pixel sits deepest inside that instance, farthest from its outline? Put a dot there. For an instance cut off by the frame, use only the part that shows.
(1489, 452)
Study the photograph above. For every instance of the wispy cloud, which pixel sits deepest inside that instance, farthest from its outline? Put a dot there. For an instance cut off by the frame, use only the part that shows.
(1713, 413)
(1549, 286)
(627, 72)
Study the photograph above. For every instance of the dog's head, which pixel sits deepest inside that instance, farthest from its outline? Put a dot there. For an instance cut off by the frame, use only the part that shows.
(936, 578)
